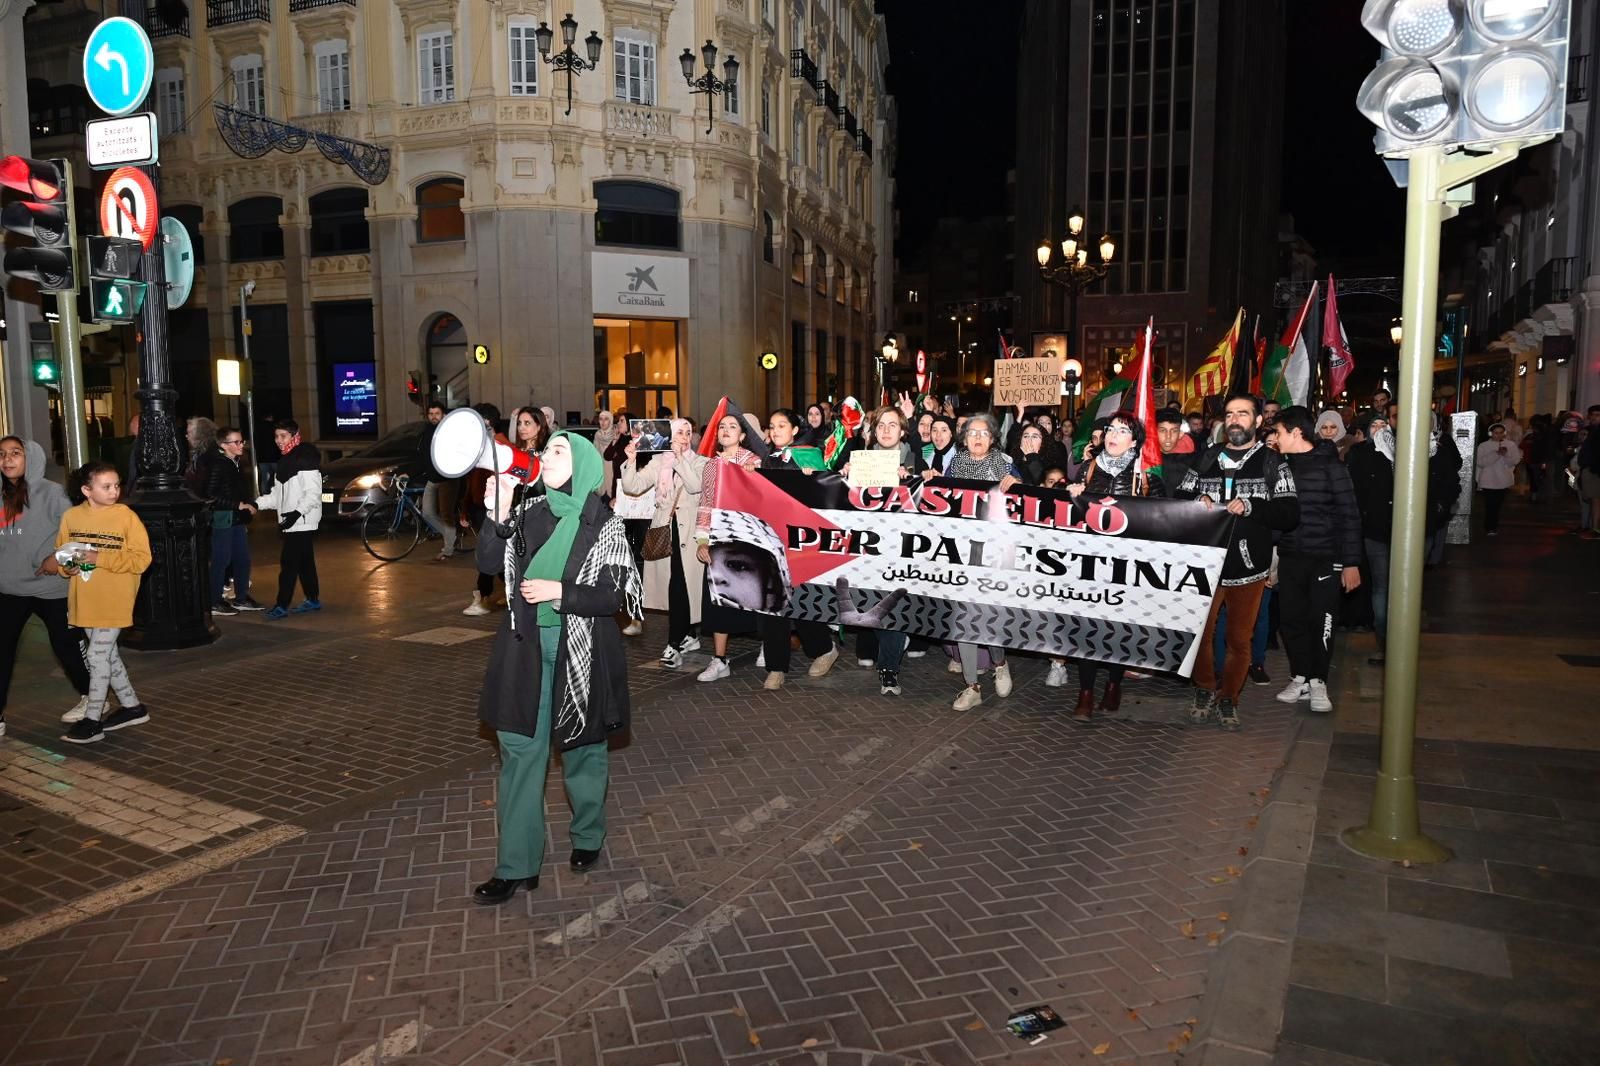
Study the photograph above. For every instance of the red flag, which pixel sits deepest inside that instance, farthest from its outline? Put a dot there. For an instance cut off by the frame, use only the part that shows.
(1005, 352)
(1340, 361)
(1256, 365)
(1144, 409)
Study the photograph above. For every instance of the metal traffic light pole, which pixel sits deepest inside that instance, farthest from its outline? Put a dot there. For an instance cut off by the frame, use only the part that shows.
(1393, 830)
(69, 348)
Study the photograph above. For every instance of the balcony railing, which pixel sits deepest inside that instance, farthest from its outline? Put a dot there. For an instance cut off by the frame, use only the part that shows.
(157, 26)
(803, 67)
(1553, 283)
(828, 96)
(1577, 79)
(847, 122)
(307, 5)
(229, 12)
(864, 143)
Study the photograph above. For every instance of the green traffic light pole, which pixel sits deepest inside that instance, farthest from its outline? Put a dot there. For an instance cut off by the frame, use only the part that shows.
(69, 348)
(1438, 185)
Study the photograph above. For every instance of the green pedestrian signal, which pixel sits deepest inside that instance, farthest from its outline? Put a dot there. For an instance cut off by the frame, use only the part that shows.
(45, 371)
(116, 300)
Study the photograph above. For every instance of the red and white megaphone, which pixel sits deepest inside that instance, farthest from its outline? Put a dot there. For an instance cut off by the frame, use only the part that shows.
(462, 442)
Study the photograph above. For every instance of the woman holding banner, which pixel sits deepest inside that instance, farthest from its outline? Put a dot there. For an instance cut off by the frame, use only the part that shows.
(719, 617)
(981, 461)
(672, 583)
(1111, 471)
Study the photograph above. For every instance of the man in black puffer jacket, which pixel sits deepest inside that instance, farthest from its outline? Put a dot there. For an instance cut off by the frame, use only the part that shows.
(1318, 560)
(220, 480)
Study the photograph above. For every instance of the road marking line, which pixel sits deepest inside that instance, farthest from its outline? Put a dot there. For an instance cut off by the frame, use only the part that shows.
(758, 817)
(110, 802)
(697, 934)
(402, 1041)
(829, 836)
(607, 910)
(107, 899)
(863, 751)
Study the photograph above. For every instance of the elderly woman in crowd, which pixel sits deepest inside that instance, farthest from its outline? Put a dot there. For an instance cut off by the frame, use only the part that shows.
(674, 582)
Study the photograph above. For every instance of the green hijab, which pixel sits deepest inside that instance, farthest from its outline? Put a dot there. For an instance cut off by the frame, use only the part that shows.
(566, 503)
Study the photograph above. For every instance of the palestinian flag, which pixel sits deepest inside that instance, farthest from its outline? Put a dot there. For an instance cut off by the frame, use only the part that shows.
(1287, 376)
(752, 430)
(850, 418)
(1105, 403)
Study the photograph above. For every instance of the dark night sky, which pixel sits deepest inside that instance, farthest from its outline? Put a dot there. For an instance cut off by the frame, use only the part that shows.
(957, 135)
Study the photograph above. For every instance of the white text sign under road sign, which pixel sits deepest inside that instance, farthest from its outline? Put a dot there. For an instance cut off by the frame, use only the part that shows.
(117, 142)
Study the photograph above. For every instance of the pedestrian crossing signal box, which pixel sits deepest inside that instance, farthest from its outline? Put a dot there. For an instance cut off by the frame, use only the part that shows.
(45, 371)
(115, 299)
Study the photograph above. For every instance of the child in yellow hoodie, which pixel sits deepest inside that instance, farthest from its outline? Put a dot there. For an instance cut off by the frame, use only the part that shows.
(105, 580)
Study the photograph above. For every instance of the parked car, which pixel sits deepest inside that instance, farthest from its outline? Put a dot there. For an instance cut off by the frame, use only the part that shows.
(360, 481)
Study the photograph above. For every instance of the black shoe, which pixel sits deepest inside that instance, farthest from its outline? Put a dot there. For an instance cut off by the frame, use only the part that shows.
(582, 859)
(247, 604)
(1258, 675)
(500, 889)
(1227, 713)
(83, 731)
(123, 717)
(223, 607)
(888, 683)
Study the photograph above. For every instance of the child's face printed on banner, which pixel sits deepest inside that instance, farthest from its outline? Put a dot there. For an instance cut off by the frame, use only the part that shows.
(744, 576)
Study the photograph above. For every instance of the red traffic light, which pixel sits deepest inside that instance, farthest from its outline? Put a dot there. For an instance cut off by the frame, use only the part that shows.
(38, 178)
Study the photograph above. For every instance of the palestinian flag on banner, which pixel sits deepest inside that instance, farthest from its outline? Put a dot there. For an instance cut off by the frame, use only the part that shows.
(850, 418)
(1216, 370)
(1105, 403)
(752, 434)
(1286, 377)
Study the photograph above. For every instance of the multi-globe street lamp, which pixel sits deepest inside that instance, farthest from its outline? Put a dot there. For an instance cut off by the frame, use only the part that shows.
(566, 59)
(1076, 272)
(887, 355)
(708, 83)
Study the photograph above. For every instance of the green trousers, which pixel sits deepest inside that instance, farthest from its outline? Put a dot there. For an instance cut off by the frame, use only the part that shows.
(524, 760)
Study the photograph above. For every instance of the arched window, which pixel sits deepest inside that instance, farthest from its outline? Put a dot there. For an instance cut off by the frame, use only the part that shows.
(797, 257)
(253, 227)
(439, 216)
(841, 180)
(797, 146)
(444, 349)
(819, 271)
(636, 214)
(768, 253)
(339, 222)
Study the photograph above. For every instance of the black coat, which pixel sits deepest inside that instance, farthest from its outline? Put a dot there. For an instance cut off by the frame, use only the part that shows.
(219, 479)
(1103, 483)
(509, 700)
(1372, 474)
(1330, 521)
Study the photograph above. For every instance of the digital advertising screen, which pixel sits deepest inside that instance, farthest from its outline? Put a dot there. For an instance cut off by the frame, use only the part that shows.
(355, 398)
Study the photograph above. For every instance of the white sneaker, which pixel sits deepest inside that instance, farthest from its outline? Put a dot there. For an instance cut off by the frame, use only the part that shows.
(477, 606)
(914, 654)
(633, 628)
(716, 671)
(1295, 691)
(761, 659)
(2, 728)
(1320, 703)
(77, 712)
(671, 658)
(970, 697)
(824, 662)
(773, 682)
(689, 644)
(866, 662)
(955, 666)
(1057, 677)
(1002, 680)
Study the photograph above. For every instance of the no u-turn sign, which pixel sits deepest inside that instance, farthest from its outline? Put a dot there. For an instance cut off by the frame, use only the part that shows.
(128, 207)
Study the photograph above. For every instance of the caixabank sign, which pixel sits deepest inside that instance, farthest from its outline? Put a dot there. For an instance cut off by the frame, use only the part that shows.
(639, 286)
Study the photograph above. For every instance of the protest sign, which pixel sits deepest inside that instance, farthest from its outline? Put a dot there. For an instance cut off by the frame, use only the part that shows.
(874, 469)
(1032, 382)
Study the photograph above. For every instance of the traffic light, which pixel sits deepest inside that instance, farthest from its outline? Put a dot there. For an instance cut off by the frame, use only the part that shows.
(112, 262)
(1465, 72)
(45, 370)
(44, 217)
(414, 386)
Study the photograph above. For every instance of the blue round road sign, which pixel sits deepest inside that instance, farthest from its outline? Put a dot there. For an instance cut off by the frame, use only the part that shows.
(118, 65)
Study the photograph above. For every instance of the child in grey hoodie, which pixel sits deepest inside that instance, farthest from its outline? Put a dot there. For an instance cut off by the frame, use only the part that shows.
(30, 514)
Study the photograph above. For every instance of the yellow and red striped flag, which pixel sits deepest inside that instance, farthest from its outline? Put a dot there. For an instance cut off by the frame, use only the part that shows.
(1216, 371)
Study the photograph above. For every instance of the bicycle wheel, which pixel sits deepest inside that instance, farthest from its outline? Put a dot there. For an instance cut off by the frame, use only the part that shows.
(390, 531)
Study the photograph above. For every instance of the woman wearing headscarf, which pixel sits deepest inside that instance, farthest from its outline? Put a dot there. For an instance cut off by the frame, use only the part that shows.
(816, 430)
(672, 584)
(981, 461)
(604, 437)
(941, 446)
(1111, 471)
(557, 676)
(1330, 427)
(732, 434)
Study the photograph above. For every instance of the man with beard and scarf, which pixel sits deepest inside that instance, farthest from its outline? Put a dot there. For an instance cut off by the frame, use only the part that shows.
(1256, 486)
(296, 494)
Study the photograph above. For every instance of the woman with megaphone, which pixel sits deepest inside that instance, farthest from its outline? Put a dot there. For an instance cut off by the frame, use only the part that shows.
(558, 676)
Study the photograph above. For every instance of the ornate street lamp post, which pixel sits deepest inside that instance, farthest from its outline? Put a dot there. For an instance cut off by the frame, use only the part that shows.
(888, 354)
(708, 83)
(566, 59)
(1075, 273)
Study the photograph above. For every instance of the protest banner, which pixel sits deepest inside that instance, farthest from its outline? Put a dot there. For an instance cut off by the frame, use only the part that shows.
(1126, 580)
(1032, 382)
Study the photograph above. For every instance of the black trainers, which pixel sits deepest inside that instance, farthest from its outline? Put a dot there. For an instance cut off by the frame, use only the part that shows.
(223, 607)
(1200, 708)
(123, 717)
(1227, 713)
(888, 683)
(1258, 675)
(83, 731)
(247, 604)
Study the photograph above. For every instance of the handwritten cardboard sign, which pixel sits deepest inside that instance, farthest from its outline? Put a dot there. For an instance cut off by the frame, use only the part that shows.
(1034, 382)
(878, 468)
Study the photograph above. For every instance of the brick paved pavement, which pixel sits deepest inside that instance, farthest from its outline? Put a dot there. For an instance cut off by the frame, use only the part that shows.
(816, 870)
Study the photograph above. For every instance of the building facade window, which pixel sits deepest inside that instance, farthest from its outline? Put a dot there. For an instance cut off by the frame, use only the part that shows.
(635, 70)
(819, 272)
(822, 152)
(339, 222)
(249, 84)
(766, 12)
(635, 214)
(797, 24)
(172, 100)
(253, 229)
(439, 214)
(436, 67)
(768, 252)
(524, 59)
(766, 108)
(798, 147)
(797, 257)
(333, 75)
(730, 96)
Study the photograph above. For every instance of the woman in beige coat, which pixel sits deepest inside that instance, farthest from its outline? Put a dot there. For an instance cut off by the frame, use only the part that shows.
(672, 584)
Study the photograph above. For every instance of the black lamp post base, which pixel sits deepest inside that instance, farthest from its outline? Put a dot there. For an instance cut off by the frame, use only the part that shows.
(173, 609)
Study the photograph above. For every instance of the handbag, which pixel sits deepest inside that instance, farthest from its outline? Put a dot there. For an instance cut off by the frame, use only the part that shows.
(658, 539)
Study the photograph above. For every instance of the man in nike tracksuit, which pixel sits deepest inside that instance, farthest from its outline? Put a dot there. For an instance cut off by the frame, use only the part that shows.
(1318, 560)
